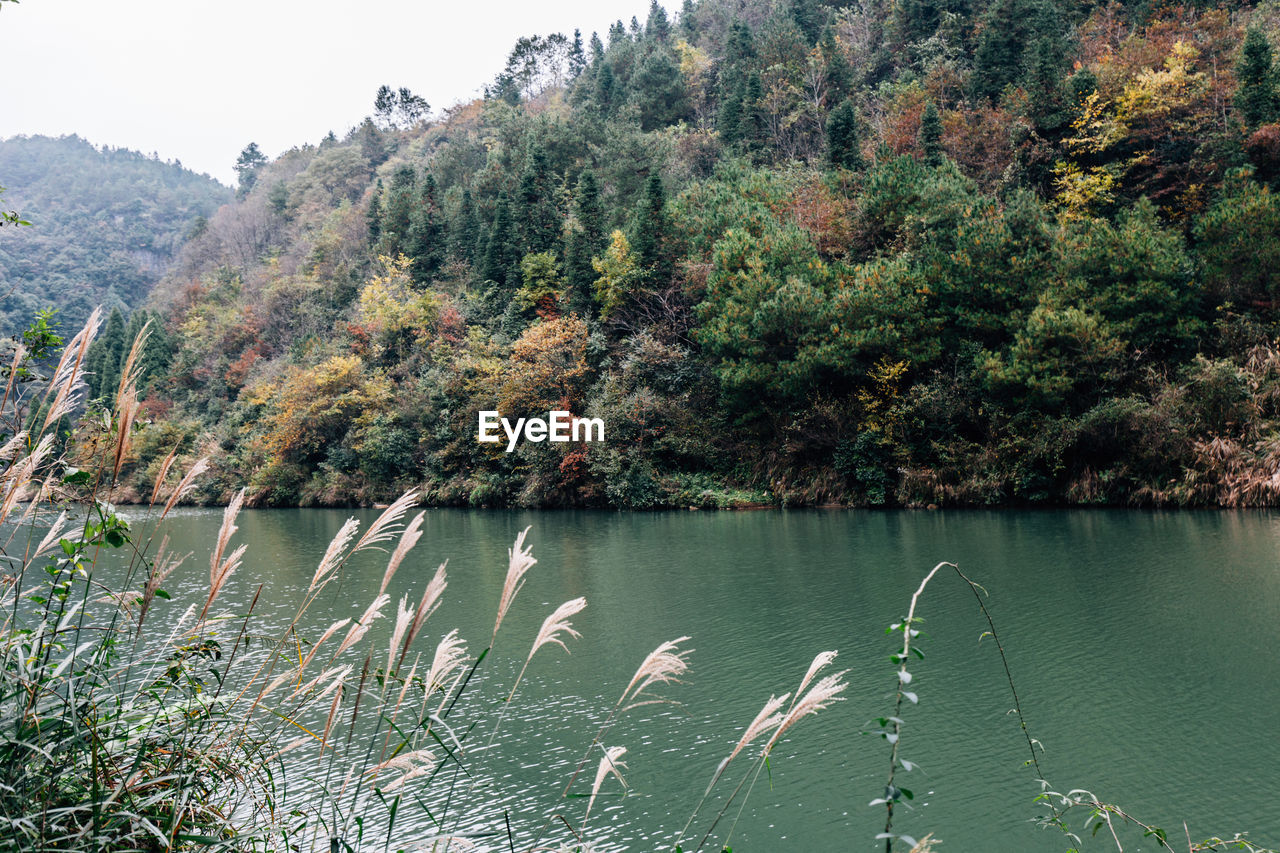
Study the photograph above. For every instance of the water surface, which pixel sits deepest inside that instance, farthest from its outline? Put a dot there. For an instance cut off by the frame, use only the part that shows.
(1143, 645)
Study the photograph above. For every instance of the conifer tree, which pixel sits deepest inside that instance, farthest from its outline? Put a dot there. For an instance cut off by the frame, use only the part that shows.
(843, 144)
(583, 242)
(838, 72)
(652, 231)
(373, 218)
(502, 255)
(688, 26)
(577, 56)
(425, 244)
(464, 231)
(105, 357)
(754, 129)
(658, 26)
(605, 87)
(397, 213)
(1257, 97)
(931, 135)
(536, 212)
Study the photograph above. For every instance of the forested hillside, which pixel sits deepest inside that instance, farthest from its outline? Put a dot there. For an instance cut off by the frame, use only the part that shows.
(923, 252)
(105, 224)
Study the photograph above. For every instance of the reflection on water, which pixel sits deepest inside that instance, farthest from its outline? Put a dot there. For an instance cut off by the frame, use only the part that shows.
(1143, 645)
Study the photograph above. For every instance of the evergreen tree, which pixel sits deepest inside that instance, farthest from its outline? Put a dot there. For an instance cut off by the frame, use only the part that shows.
(659, 91)
(729, 119)
(577, 57)
(617, 33)
(1257, 97)
(153, 361)
(931, 135)
(1009, 27)
(373, 218)
(502, 254)
(739, 51)
(535, 205)
(688, 26)
(843, 144)
(652, 231)
(583, 242)
(248, 164)
(464, 231)
(810, 16)
(397, 214)
(605, 90)
(105, 357)
(1044, 69)
(753, 127)
(425, 244)
(597, 50)
(658, 26)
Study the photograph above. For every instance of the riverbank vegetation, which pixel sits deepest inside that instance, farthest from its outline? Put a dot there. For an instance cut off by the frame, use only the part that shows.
(131, 719)
(1013, 252)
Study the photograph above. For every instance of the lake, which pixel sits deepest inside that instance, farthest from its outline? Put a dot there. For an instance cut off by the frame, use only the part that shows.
(1143, 646)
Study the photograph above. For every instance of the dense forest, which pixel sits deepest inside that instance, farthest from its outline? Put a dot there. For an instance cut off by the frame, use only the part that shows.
(105, 225)
(924, 252)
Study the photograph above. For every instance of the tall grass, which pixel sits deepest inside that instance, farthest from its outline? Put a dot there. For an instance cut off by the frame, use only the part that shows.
(121, 730)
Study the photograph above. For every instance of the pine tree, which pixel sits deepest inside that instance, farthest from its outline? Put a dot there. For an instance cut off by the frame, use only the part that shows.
(584, 242)
(931, 135)
(659, 91)
(652, 231)
(688, 26)
(754, 126)
(843, 144)
(1257, 97)
(248, 165)
(535, 205)
(658, 26)
(729, 119)
(373, 218)
(425, 244)
(1008, 28)
(597, 50)
(397, 213)
(105, 357)
(577, 56)
(153, 361)
(605, 89)
(502, 255)
(463, 231)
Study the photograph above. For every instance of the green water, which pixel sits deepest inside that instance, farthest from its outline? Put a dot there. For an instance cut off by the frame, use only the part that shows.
(1144, 647)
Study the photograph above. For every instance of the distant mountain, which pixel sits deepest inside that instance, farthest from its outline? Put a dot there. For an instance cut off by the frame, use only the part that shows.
(105, 225)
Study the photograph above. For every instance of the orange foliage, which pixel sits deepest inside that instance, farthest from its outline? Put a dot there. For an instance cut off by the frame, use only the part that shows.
(823, 214)
(978, 140)
(899, 127)
(547, 370)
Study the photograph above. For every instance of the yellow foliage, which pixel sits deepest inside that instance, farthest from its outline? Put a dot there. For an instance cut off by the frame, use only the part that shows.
(548, 368)
(312, 407)
(619, 274)
(694, 61)
(391, 309)
(886, 385)
(1080, 193)
(1156, 94)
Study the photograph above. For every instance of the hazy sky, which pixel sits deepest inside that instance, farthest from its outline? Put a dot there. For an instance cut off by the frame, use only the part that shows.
(196, 80)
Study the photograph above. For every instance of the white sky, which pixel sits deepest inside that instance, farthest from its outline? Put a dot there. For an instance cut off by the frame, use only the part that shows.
(196, 80)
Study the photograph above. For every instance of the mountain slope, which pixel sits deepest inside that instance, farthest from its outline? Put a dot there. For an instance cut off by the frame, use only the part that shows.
(1020, 251)
(105, 225)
